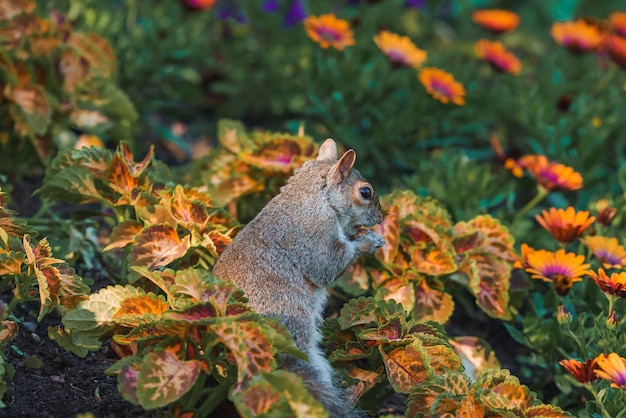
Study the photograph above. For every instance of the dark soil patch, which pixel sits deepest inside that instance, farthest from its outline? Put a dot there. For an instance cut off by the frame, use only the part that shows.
(65, 385)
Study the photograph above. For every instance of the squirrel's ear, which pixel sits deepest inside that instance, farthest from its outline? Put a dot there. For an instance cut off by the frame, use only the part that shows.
(328, 150)
(342, 169)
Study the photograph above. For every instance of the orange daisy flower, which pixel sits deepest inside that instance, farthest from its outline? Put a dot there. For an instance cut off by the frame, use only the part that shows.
(327, 30)
(400, 50)
(618, 22)
(565, 225)
(612, 368)
(578, 36)
(561, 268)
(442, 86)
(498, 56)
(607, 250)
(583, 372)
(616, 47)
(606, 213)
(522, 263)
(551, 175)
(496, 20)
(611, 285)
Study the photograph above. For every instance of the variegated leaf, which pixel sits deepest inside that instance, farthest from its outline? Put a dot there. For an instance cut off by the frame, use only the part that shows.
(138, 310)
(400, 290)
(248, 344)
(163, 378)
(123, 234)
(94, 316)
(448, 385)
(157, 246)
(475, 353)
(276, 395)
(407, 366)
(442, 358)
(470, 408)
(546, 411)
(497, 240)
(509, 396)
(432, 304)
(389, 229)
(489, 281)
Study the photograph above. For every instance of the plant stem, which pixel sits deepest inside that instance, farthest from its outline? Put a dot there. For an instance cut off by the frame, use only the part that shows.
(12, 305)
(595, 394)
(216, 397)
(541, 193)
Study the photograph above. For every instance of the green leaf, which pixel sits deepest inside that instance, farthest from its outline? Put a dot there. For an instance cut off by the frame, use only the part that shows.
(95, 316)
(78, 345)
(232, 135)
(163, 379)
(276, 395)
(157, 246)
(407, 366)
(248, 344)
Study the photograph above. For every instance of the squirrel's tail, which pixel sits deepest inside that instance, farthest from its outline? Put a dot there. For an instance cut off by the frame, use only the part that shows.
(334, 399)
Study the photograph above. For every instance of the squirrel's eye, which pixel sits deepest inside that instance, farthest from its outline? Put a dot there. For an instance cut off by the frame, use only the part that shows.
(366, 192)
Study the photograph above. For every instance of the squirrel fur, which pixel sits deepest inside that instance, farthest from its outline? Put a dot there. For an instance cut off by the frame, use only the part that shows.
(299, 243)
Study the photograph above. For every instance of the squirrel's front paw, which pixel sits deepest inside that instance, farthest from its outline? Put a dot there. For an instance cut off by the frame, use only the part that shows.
(370, 242)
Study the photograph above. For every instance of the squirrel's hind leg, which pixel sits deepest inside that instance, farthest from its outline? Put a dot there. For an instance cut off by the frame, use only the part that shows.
(334, 399)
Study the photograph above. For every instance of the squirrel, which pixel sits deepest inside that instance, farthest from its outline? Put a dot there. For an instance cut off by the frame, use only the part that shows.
(300, 242)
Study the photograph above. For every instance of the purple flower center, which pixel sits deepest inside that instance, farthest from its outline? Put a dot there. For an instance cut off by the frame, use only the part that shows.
(329, 34)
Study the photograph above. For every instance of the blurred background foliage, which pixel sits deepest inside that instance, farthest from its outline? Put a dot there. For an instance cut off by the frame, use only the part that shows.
(237, 60)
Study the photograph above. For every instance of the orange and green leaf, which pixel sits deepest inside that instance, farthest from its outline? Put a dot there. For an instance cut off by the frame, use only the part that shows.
(157, 246)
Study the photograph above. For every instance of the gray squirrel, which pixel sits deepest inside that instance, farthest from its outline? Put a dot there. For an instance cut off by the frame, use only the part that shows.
(302, 240)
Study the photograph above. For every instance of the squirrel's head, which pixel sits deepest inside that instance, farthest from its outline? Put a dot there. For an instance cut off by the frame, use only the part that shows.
(351, 196)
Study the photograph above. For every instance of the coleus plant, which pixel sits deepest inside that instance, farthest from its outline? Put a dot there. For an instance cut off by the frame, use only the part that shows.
(425, 251)
(246, 163)
(196, 342)
(30, 270)
(54, 80)
(378, 344)
(155, 222)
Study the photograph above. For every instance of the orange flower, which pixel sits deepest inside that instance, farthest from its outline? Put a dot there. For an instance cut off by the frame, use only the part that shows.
(496, 20)
(578, 36)
(606, 213)
(561, 268)
(616, 47)
(551, 175)
(607, 250)
(522, 263)
(583, 372)
(565, 225)
(329, 31)
(612, 368)
(498, 56)
(618, 22)
(442, 86)
(611, 285)
(400, 50)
